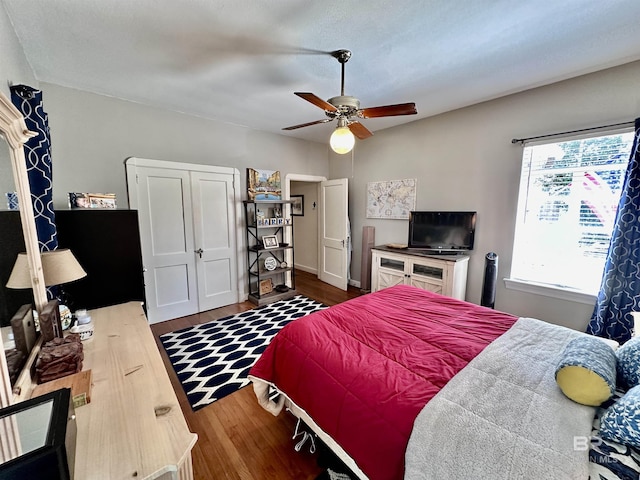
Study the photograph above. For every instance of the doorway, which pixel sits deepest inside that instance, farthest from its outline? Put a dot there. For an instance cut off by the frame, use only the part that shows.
(322, 234)
(305, 225)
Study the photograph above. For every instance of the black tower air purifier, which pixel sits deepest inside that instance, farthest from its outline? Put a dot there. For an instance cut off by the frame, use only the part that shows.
(490, 278)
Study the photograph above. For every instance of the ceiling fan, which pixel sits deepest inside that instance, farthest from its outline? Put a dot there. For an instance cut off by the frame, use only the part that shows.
(346, 109)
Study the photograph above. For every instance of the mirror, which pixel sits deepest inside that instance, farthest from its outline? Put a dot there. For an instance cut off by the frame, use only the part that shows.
(14, 133)
(32, 426)
(12, 300)
(43, 437)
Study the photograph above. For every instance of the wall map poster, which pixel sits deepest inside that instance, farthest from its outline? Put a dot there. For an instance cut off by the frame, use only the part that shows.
(392, 199)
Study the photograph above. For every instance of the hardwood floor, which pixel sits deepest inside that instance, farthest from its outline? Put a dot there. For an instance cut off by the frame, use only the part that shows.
(237, 439)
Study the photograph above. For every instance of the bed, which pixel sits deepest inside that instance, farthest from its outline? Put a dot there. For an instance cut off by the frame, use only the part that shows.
(405, 383)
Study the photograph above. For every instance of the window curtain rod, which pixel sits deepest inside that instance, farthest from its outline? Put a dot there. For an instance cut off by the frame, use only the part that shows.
(523, 140)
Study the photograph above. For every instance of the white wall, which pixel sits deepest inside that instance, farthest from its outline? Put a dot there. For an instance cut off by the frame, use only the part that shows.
(464, 160)
(14, 67)
(14, 70)
(305, 228)
(92, 135)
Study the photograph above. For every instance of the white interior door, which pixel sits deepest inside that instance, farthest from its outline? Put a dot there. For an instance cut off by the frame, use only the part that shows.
(333, 252)
(166, 233)
(215, 239)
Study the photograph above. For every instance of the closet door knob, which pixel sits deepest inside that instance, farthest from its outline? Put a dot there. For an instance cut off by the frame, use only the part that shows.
(199, 252)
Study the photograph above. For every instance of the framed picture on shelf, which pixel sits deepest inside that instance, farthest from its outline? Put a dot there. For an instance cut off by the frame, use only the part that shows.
(92, 200)
(270, 241)
(266, 286)
(270, 264)
(297, 205)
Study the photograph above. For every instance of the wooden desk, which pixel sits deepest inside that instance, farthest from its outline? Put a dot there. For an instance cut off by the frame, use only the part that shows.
(133, 428)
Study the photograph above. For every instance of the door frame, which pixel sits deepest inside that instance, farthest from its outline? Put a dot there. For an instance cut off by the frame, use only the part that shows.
(131, 163)
(286, 191)
(297, 177)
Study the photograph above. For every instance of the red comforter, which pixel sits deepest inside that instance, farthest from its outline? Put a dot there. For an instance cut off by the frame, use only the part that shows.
(363, 369)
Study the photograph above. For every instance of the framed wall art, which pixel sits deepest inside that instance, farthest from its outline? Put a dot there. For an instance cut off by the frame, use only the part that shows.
(391, 199)
(263, 184)
(297, 205)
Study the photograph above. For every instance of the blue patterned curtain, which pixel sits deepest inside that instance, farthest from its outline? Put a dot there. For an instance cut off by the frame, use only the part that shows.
(620, 288)
(37, 153)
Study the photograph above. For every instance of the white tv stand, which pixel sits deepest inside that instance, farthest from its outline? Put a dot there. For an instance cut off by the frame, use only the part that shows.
(443, 274)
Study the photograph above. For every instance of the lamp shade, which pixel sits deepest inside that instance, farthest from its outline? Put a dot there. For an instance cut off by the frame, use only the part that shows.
(342, 140)
(58, 267)
(20, 275)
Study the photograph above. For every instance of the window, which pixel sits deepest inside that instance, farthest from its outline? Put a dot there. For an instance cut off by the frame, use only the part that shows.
(569, 194)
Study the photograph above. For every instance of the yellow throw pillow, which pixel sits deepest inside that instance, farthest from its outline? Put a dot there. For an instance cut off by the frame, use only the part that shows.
(583, 386)
(587, 371)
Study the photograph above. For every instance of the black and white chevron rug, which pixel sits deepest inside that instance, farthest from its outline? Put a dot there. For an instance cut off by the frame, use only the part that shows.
(213, 360)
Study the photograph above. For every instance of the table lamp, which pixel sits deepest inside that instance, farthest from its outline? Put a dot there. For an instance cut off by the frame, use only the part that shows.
(58, 267)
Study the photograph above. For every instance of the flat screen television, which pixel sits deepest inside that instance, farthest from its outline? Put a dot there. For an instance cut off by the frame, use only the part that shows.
(442, 231)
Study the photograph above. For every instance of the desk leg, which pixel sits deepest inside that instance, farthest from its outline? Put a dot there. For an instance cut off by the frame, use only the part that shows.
(185, 469)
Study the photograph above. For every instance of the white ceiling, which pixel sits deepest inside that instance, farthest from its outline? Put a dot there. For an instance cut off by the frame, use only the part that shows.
(239, 61)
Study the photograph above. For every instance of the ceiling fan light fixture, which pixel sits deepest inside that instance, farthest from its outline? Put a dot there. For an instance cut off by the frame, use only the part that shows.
(342, 140)
(346, 109)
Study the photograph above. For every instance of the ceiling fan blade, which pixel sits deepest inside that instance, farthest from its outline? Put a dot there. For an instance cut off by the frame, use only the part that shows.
(317, 101)
(293, 127)
(359, 130)
(389, 110)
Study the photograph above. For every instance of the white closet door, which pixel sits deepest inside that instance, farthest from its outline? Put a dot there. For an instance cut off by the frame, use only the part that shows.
(215, 239)
(166, 232)
(333, 246)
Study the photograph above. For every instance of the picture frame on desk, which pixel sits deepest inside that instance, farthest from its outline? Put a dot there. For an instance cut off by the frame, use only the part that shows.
(49, 320)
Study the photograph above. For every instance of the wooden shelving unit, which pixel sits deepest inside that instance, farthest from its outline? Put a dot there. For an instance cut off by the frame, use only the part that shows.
(269, 218)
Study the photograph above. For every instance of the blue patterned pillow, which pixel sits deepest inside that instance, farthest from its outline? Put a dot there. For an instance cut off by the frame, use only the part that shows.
(628, 363)
(586, 372)
(621, 421)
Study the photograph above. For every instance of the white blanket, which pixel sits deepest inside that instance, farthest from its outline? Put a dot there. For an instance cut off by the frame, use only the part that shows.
(503, 416)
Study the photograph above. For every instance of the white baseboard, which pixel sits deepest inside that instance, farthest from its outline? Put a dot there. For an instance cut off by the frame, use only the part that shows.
(304, 268)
